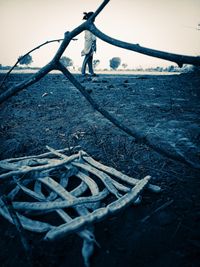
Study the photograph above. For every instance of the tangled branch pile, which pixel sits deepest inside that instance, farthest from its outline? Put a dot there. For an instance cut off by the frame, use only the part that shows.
(56, 194)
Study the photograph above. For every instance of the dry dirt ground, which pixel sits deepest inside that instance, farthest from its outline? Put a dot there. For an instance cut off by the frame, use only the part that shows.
(53, 112)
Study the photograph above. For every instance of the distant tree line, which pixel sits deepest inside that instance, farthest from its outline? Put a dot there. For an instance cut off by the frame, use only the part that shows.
(114, 64)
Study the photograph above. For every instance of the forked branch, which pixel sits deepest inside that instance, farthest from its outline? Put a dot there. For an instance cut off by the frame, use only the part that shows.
(140, 137)
(29, 52)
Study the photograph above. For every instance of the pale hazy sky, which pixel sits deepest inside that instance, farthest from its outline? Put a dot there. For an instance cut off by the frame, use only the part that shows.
(168, 25)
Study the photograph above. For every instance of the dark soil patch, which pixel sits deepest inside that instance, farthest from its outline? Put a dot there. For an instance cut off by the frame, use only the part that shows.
(53, 112)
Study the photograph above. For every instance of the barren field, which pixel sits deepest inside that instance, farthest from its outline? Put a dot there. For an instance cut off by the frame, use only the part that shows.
(53, 112)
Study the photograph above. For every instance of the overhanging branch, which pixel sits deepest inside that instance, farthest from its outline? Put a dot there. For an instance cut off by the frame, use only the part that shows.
(150, 140)
(51, 65)
(37, 47)
(178, 59)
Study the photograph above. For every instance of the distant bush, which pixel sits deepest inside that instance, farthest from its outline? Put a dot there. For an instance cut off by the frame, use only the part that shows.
(96, 63)
(115, 62)
(124, 65)
(190, 69)
(25, 60)
(66, 61)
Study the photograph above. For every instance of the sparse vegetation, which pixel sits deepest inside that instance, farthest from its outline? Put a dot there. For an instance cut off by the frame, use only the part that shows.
(124, 65)
(25, 60)
(115, 63)
(66, 61)
(96, 63)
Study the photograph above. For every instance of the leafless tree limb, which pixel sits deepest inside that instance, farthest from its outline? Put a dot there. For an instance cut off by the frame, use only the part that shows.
(29, 52)
(150, 140)
(178, 59)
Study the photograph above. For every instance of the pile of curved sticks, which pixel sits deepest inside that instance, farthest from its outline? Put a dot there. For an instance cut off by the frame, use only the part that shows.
(75, 190)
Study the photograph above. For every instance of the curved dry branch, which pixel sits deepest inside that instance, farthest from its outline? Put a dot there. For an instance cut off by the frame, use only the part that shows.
(178, 59)
(37, 47)
(46, 69)
(152, 141)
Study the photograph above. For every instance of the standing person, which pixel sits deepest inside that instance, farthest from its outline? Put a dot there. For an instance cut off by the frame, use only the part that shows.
(89, 48)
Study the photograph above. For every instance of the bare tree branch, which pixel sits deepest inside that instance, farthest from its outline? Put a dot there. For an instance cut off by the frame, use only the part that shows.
(178, 59)
(46, 69)
(70, 35)
(37, 47)
(152, 141)
(99, 9)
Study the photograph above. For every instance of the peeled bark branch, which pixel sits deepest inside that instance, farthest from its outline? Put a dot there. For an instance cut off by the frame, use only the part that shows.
(178, 59)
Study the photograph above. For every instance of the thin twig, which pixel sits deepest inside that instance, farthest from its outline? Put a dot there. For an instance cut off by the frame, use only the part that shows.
(45, 43)
(163, 206)
(177, 229)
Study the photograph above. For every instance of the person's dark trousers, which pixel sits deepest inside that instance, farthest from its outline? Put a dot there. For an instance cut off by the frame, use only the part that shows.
(87, 61)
